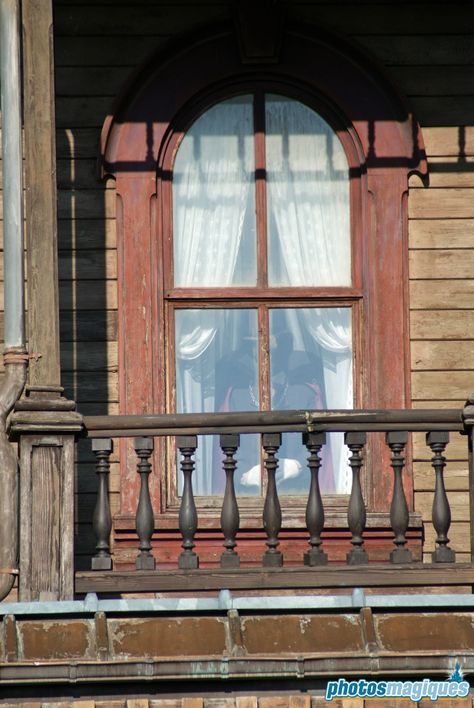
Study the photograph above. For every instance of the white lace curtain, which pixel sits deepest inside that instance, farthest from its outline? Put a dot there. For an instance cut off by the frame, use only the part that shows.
(214, 241)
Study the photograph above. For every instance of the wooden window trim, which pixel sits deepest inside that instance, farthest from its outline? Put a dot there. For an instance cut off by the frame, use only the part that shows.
(389, 145)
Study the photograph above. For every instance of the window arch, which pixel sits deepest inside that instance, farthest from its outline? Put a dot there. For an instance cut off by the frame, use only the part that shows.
(382, 144)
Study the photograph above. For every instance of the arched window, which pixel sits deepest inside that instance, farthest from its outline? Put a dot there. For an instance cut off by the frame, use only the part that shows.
(261, 290)
(261, 235)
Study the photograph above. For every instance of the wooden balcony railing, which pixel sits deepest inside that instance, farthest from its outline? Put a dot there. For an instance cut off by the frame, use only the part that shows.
(314, 570)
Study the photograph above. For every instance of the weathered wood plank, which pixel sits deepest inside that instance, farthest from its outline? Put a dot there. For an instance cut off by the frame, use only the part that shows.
(87, 478)
(455, 451)
(40, 197)
(389, 19)
(100, 81)
(80, 173)
(99, 408)
(77, 142)
(86, 204)
(82, 111)
(459, 536)
(440, 384)
(106, 51)
(441, 294)
(129, 20)
(414, 49)
(79, 386)
(441, 203)
(441, 233)
(437, 404)
(87, 265)
(87, 233)
(447, 172)
(78, 295)
(90, 356)
(381, 576)
(458, 501)
(456, 476)
(442, 355)
(433, 81)
(451, 141)
(443, 111)
(86, 326)
(445, 263)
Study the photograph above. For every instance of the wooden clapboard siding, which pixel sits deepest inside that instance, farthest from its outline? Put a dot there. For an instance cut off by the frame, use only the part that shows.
(442, 355)
(442, 324)
(456, 476)
(428, 52)
(441, 233)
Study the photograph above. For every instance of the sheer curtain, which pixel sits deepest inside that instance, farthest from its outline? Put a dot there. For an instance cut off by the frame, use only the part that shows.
(213, 216)
(309, 237)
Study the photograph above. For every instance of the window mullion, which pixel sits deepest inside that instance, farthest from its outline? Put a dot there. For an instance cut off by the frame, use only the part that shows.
(260, 188)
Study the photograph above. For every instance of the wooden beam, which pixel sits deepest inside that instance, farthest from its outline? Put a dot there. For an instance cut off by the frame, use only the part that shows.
(40, 197)
(408, 576)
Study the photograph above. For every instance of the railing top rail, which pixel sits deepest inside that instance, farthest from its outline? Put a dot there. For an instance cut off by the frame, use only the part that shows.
(268, 421)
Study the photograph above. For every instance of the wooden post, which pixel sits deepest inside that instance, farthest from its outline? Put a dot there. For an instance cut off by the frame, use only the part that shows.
(46, 425)
(40, 196)
(468, 418)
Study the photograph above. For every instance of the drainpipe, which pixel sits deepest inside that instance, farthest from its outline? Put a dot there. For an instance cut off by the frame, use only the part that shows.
(15, 355)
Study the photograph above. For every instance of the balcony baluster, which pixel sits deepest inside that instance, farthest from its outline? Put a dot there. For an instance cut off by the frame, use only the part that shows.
(441, 512)
(102, 519)
(397, 440)
(356, 514)
(314, 508)
(230, 519)
(144, 516)
(271, 509)
(188, 518)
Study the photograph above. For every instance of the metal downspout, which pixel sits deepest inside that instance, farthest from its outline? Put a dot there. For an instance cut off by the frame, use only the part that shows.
(15, 356)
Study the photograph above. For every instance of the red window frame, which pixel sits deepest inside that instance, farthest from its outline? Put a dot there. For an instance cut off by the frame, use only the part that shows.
(384, 136)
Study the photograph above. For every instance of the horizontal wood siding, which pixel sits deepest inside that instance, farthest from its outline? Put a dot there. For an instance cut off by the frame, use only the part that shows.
(427, 51)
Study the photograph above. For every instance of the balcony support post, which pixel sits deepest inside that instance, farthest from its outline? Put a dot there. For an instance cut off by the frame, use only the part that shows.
(46, 426)
(468, 419)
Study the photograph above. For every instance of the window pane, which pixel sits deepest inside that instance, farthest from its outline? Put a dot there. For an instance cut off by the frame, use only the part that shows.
(214, 199)
(311, 368)
(217, 370)
(308, 198)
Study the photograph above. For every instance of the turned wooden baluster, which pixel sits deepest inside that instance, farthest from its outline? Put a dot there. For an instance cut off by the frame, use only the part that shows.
(356, 516)
(397, 440)
(271, 509)
(144, 517)
(188, 519)
(441, 512)
(230, 519)
(102, 519)
(314, 507)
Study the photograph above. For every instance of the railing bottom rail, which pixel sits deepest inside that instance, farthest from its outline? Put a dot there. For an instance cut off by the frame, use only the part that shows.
(390, 575)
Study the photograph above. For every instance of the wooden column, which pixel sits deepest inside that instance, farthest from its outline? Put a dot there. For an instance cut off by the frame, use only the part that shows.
(468, 418)
(46, 425)
(40, 197)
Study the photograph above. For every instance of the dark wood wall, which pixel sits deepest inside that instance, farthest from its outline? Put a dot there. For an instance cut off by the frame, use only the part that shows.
(427, 49)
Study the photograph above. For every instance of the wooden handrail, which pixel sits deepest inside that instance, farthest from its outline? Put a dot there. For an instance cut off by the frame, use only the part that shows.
(424, 420)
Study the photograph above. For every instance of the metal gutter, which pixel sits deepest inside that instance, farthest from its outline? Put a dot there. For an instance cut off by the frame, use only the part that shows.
(226, 601)
(10, 76)
(15, 356)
